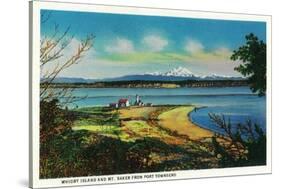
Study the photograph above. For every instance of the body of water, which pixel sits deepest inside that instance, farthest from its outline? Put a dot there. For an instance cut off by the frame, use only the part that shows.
(237, 103)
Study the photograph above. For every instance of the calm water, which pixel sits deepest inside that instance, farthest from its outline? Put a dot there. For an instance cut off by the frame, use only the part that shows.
(236, 103)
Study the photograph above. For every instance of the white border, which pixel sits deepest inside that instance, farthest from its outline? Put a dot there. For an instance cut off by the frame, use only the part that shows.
(35, 7)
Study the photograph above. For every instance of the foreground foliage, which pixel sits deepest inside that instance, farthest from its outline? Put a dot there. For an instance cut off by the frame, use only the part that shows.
(65, 152)
(111, 143)
(247, 145)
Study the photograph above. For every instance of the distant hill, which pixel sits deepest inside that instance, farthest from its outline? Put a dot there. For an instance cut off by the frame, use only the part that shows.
(72, 80)
(176, 74)
(148, 77)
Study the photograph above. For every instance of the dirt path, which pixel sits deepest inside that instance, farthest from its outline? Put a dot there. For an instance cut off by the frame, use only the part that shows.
(177, 120)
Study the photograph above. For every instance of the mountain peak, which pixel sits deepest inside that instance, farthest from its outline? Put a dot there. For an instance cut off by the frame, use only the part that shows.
(176, 72)
(179, 71)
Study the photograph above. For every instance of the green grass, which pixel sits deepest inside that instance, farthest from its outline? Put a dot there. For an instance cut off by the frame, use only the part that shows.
(141, 128)
(96, 116)
(137, 125)
(104, 121)
(92, 109)
(104, 129)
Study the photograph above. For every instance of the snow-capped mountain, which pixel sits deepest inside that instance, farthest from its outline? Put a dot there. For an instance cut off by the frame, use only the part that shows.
(184, 73)
(214, 76)
(175, 74)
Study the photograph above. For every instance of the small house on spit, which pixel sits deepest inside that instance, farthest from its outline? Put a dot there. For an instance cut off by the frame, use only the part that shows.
(123, 102)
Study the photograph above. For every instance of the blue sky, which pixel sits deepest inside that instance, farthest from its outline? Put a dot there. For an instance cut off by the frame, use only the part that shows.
(132, 44)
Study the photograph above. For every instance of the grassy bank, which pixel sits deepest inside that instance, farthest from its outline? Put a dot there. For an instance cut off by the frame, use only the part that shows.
(155, 134)
(167, 123)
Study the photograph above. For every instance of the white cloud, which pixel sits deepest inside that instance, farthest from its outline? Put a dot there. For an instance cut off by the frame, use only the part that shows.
(194, 46)
(155, 43)
(70, 50)
(120, 46)
(223, 51)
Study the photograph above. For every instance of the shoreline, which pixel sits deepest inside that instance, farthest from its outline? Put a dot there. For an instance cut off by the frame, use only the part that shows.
(184, 125)
(198, 125)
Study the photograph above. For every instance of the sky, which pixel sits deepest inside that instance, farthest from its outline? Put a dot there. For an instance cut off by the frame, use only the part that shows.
(135, 44)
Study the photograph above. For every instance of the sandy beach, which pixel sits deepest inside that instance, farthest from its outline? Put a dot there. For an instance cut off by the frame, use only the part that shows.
(177, 120)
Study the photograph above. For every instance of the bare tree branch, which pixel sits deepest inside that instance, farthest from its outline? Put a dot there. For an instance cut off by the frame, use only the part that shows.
(51, 52)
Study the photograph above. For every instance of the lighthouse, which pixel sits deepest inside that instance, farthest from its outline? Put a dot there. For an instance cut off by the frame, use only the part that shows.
(138, 101)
